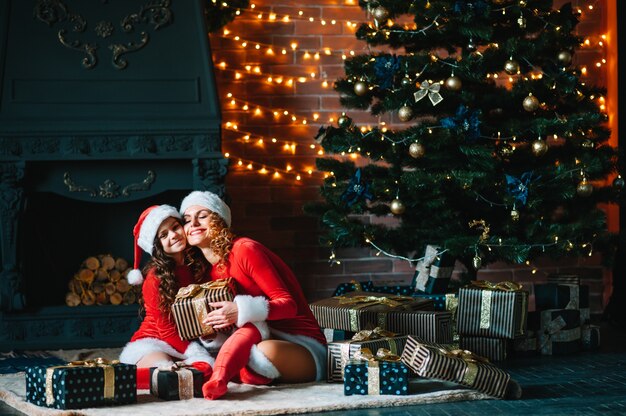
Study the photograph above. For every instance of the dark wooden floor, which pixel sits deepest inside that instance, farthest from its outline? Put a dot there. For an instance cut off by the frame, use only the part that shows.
(590, 383)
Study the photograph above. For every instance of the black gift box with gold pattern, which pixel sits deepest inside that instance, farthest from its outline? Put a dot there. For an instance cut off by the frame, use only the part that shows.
(458, 366)
(191, 306)
(493, 310)
(176, 382)
(340, 352)
(81, 384)
(362, 310)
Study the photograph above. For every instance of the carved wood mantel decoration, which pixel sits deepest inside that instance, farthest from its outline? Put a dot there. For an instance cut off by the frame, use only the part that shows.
(156, 13)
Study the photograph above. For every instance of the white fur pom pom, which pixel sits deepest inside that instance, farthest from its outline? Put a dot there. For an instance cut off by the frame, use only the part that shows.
(135, 277)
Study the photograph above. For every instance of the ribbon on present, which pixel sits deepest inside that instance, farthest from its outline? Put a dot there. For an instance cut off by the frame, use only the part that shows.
(373, 368)
(185, 379)
(107, 368)
(363, 302)
(431, 90)
(553, 332)
(377, 333)
(371, 334)
(471, 360)
(574, 297)
(505, 286)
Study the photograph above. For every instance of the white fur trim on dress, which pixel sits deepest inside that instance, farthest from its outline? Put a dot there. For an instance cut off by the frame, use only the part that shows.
(196, 352)
(261, 364)
(316, 348)
(214, 344)
(136, 350)
(263, 328)
(251, 309)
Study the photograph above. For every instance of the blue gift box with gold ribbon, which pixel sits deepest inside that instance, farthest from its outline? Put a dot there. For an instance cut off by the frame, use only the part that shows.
(374, 375)
(82, 384)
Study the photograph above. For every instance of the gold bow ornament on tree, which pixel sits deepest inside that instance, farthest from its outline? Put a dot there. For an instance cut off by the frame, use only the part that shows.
(432, 90)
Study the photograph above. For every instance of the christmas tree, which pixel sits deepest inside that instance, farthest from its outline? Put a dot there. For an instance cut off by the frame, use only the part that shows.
(500, 150)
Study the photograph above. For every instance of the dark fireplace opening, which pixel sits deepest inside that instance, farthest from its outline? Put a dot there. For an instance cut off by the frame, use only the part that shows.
(59, 233)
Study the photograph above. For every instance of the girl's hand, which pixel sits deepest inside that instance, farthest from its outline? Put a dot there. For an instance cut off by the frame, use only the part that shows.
(224, 315)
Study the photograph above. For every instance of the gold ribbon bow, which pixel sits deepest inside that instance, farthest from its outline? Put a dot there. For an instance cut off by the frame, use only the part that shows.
(506, 286)
(106, 365)
(471, 361)
(373, 369)
(365, 301)
(431, 90)
(371, 334)
(193, 289)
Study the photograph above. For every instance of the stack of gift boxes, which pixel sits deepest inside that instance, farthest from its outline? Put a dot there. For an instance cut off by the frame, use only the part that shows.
(380, 336)
(560, 323)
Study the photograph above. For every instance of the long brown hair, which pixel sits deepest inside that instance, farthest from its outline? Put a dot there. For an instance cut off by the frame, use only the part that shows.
(165, 266)
(220, 239)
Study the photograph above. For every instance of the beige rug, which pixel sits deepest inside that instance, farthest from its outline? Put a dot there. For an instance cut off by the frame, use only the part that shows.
(242, 399)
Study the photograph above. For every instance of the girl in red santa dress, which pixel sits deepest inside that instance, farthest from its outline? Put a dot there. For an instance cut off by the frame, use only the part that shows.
(159, 232)
(293, 348)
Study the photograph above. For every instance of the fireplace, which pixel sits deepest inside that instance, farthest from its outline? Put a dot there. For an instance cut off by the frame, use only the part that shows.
(106, 107)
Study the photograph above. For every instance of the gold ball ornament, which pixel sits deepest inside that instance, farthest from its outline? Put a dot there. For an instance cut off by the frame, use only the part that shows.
(416, 150)
(565, 58)
(477, 262)
(360, 88)
(453, 83)
(405, 113)
(397, 207)
(530, 103)
(406, 82)
(584, 188)
(511, 67)
(380, 14)
(514, 214)
(344, 121)
(539, 147)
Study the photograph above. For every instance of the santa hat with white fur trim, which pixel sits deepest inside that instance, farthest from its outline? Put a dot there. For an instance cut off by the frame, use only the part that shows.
(208, 200)
(144, 232)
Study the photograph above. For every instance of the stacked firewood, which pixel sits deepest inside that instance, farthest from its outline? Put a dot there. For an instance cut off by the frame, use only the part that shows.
(101, 280)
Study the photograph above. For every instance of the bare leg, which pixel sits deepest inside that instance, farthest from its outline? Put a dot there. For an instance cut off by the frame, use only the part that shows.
(294, 362)
(149, 360)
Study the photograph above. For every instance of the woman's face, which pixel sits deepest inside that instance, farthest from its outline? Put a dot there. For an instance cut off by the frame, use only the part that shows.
(172, 236)
(196, 220)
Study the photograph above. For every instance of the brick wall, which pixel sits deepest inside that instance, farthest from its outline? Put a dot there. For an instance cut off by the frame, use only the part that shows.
(270, 209)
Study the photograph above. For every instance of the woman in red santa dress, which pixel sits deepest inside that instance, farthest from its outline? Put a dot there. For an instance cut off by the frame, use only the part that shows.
(293, 348)
(159, 232)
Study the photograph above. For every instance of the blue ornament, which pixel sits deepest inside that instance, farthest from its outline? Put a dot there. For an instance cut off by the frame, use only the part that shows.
(357, 190)
(386, 68)
(464, 122)
(518, 187)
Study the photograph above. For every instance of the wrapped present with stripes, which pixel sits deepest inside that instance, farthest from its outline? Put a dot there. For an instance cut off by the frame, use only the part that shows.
(559, 331)
(559, 296)
(494, 349)
(369, 374)
(529, 345)
(439, 299)
(433, 273)
(176, 382)
(564, 279)
(82, 384)
(340, 352)
(191, 306)
(431, 326)
(495, 310)
(590, 337)
(458, 366)
(353, 286)
(362, 310)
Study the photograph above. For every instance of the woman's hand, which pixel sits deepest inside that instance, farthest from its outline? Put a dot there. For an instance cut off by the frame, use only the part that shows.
(224, 315)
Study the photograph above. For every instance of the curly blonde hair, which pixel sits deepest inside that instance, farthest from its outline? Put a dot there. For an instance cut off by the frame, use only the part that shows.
(220, 239)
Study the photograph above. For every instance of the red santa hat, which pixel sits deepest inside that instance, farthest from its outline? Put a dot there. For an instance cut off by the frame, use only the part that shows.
(144, 232)
(208, 200)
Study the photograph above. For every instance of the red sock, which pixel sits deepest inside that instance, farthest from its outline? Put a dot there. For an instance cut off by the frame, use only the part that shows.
(204, 367)
(248, 376)
(143, 378)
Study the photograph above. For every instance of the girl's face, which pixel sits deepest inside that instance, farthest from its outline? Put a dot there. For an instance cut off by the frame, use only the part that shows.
(196, 220)
(172, 236)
